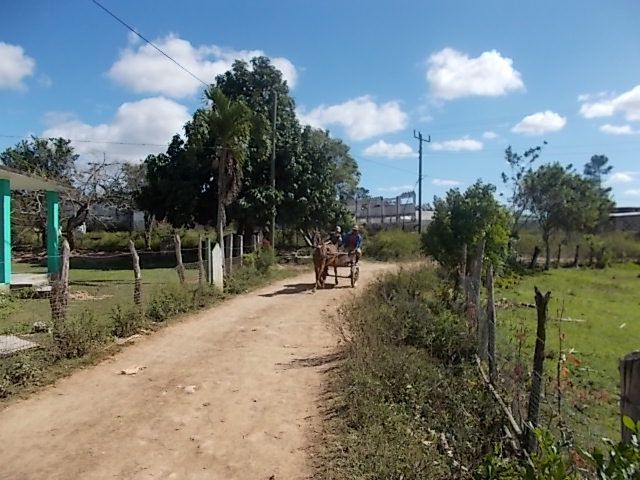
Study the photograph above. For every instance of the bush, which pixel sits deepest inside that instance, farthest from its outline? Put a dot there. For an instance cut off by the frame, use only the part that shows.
(407, 382)
(77, 335)
(126, 321)
(169, 302)
(393, 245)
(265, 258)
(17, 371)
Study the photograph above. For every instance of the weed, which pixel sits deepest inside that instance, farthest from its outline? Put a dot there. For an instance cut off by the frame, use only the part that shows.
(126, 321)
(79, 334)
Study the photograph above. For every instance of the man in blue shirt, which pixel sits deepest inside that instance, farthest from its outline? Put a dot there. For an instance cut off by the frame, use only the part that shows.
(353, 242)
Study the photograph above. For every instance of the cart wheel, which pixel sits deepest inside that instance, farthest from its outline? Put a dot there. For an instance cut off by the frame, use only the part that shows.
(355, 274)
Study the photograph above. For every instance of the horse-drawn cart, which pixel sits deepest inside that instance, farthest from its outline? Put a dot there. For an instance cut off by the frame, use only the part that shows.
(326, 257)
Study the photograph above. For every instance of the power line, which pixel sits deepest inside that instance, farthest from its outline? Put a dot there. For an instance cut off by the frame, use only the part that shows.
(149, 42)
(107, 142)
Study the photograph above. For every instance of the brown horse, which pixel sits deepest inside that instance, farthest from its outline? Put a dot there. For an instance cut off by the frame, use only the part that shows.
(325, 256)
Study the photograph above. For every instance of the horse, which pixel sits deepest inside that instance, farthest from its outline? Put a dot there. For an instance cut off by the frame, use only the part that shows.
(325, 255)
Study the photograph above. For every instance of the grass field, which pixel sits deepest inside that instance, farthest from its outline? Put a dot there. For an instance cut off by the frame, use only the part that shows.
(95, 289)
(601, 309)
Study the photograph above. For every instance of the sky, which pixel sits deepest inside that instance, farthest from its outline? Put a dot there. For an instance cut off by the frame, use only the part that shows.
(473, 76)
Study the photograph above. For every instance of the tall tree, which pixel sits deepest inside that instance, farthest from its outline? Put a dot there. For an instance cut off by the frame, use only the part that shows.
(229, 123)
(596, 167)
(519, 166)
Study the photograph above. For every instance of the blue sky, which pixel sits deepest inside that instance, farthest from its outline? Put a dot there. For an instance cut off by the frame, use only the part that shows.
(475, 75)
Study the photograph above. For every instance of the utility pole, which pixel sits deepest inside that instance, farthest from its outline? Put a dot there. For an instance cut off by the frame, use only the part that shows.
(273, 169)
(421, 140)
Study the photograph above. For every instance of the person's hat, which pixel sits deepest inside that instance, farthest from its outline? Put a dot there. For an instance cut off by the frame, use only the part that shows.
(338, 229)
(355, 228)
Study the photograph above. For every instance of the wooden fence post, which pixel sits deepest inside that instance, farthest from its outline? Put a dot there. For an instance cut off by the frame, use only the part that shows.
(397, 211)
(60, 289)
(474, 313)
(576, 257)
(179, 264)
(201, 274)
(241, 247)
(462, 276)
(209, 262)
(629, 392)
(491, 324)
(534, 258)
(537, 376)
(230, 254)
(137, 276)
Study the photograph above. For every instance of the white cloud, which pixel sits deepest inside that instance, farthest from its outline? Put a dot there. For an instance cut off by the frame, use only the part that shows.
(361, 117)
(14, 66)
(634, 192)
(445, 183)
(627, 103)
(151, 121)
(458, 145)
(452, 74)
(618, 129)
(145, 70)
(539, 123)
(489, 135)
(621, 177)
(399, 188)
(390, 150)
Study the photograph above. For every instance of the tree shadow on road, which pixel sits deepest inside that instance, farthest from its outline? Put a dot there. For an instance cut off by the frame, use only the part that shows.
(291, 289)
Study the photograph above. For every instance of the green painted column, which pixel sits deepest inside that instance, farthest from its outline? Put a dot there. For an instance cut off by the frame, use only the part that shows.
(5, 232)
(53, 232)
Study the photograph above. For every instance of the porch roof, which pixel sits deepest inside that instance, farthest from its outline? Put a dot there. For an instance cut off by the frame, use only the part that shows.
(23, 181)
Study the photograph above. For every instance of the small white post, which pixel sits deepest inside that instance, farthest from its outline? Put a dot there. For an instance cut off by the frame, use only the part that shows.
(241, 238)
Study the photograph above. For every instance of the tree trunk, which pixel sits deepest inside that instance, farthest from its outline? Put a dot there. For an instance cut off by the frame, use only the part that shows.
(221, 215)
(148, 228)
(491, 325)
(629, 392)
(547, 247)
(137, 276)
(576, 257)
(537, 376)
(74, 222)
(559, 255)
(534, 258)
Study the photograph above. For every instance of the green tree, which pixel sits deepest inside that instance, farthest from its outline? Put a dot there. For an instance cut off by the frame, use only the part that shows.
(561, 200)
(464, 219)
(51, 158)
(596, 167)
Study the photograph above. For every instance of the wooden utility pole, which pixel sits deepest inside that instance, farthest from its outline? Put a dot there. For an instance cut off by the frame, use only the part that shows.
(421, 140)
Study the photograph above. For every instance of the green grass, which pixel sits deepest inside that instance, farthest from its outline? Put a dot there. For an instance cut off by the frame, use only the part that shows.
(607, 306)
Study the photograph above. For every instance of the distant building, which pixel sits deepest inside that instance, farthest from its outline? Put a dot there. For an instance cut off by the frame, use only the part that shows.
(397, 211)
(626, 219)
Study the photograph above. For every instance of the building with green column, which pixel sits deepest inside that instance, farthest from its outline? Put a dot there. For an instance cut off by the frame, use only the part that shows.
(11, 180)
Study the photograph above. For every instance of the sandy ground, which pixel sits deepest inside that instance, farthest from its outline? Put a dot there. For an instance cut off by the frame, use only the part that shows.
(230, 393)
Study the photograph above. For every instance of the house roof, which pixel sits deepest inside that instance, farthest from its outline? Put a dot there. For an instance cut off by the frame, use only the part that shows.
(23, 181)
(624, 214)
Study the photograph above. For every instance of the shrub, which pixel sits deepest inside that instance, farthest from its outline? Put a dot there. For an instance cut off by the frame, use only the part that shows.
(265, 258)
(126, 321)
(78, 335)
(17, 371)
(168, 302)
(393, 245)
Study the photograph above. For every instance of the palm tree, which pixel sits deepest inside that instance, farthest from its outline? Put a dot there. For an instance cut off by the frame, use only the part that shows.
(229, 126)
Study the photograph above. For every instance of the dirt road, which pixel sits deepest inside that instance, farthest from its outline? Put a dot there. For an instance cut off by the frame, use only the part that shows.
(230, 393)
